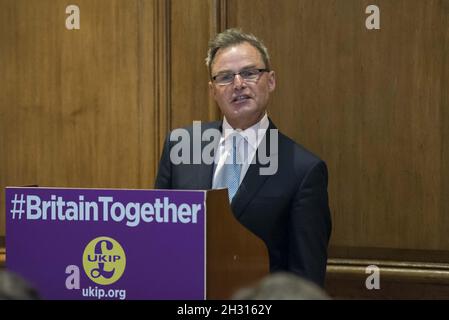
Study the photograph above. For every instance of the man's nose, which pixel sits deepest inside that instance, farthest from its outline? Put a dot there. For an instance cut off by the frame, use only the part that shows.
(239, 82)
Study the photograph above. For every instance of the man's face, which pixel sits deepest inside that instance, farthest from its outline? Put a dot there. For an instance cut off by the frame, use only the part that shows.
(243, 103)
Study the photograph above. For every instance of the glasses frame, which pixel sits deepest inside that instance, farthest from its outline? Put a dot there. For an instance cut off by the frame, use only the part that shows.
(261, 71)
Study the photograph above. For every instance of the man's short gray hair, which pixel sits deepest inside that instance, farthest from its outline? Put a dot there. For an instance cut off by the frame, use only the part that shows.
(231, 37)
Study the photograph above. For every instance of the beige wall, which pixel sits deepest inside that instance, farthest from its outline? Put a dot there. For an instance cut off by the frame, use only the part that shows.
(89, 108)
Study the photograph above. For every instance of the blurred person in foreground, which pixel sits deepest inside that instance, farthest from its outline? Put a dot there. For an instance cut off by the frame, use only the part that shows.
(14, 287)
(282, 286)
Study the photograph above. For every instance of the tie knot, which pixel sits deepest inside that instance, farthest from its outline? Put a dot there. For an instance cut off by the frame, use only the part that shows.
(235, 139)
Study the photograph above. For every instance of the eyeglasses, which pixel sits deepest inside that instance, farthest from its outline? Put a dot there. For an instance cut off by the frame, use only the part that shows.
(248, 75)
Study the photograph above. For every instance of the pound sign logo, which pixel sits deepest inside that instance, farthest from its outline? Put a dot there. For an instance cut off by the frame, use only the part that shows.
(104, 260)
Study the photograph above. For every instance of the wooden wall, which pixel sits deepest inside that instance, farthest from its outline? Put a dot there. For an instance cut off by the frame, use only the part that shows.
(89, 108)
(373, 104)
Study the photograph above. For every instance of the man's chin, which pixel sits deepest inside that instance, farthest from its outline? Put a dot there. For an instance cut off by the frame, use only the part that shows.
(240, 112)
(242, 120)
(240, 108)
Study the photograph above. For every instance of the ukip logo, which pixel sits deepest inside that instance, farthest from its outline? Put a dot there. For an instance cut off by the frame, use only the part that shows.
(104, 260)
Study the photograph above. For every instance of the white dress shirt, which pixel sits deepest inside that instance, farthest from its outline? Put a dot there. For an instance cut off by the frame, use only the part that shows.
(247, 147)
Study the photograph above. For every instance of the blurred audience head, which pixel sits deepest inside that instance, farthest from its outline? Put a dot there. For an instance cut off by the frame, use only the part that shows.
(14, 287)
(282, 286)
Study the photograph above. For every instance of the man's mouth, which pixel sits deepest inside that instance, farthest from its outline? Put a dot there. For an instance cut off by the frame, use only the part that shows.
(240, 98)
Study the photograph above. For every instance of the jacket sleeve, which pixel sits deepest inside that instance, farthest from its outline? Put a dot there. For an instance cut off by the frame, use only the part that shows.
(310, 226)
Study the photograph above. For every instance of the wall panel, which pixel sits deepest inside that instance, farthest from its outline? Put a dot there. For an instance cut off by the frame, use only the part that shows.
(369, 103)
(192, 23)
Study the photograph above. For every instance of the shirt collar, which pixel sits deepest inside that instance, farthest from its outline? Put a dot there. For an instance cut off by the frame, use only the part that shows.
(253, 135)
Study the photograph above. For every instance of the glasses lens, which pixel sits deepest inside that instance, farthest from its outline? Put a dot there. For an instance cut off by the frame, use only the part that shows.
(250, 75)
(224, 78)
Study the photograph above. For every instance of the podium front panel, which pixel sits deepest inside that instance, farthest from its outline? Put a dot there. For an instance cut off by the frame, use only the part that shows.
(107, 243)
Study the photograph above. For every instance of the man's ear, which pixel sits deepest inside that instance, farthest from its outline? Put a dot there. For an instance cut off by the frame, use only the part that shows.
(271, 81)
(211, 89)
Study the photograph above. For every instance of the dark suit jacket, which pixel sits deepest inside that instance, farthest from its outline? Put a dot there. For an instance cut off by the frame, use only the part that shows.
(289, 210)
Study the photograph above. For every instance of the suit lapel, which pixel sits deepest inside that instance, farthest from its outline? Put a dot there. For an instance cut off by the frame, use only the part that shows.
(206, 171)
(253, 180)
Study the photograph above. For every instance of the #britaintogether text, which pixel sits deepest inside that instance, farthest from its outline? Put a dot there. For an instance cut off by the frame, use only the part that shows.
(105, 208)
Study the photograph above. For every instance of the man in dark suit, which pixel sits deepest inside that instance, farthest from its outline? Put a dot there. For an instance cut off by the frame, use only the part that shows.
(287, 204)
